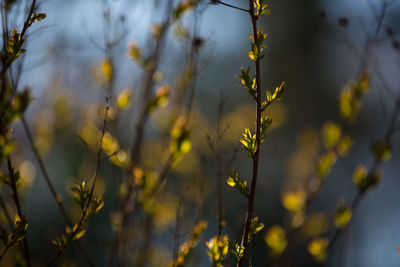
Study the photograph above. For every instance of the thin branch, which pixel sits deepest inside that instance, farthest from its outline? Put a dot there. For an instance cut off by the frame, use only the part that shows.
(251, 197)
(5, 211)
(56, 197)
(177, 232)
(4, 252)
(89, 199)
(27, 24)
(139, 131)
(217, 2)
(18, 205)
(364, 57)
(390, 130)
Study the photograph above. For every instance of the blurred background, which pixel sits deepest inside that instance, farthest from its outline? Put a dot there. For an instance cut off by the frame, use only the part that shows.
(311, 45)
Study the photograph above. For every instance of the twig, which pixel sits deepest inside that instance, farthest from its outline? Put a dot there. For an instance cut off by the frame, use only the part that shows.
(5, 210)
(4, 252)
(56, 197)
(217, 2)
(215, 146)
(375, 166)
(13, 184)
(177, 232)
(24, 29)
(365, 62)
(89, 199)
(139, 131)
(251, 197)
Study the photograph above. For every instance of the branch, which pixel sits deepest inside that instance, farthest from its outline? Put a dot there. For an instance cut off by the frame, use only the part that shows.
(250, 207)
(89, 199)
(217, 2)
(17, 204)
(390, 130)
(56, 197)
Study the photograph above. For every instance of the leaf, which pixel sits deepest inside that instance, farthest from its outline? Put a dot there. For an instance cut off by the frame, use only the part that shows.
(325, 163)
(180, 143)
(294, 201)
(318, 249)
(15, 44)
(107, 70)
(344, 146)
(124, 99)
(254, 52)
(218, 248)
(275, 238)
(247, 81)
(331, 134)
(78, 234)
(240, 184)
(160, 99)
(236, 249)
(276, 96)
(18, 231)
(255, 227)
(80, 194)
(187, 247)
(265, 123)
(360, 175)
(249, 143)
(365, 181)
(135, 53)
(382, 150)
(21, 102)
(37, 17)
(343, 215)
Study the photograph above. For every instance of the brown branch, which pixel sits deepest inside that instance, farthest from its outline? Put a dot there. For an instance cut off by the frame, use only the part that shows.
(218, 2)
(27, 24)
(56, 197)
(13, 184)
(390, 130)
(5, 210)
(83, 217)
(364, 63)
(251, 198)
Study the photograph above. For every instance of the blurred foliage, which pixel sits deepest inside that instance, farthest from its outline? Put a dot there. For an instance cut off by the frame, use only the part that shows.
(115, 150)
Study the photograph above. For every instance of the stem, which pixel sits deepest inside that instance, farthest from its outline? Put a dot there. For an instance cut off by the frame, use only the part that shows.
(377, 162)
(364, 57)
(147, 93)
(251, 197)
(5, 211)
(231, 6)
(18, 205)
(8, 63)
(50, 185)
(219, 167)
(177, 233)
(4, 252)
(83, 217)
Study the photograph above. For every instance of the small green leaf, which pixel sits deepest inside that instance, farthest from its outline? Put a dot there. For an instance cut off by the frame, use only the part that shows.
(276, 96)
(240, 184)
(236, 249)
(265, 123)
(276, 240)
(331, 134)
(318, 248)
(249, 142)
(343, 215)
(382, 150)
(255, 227)
(37, 17)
